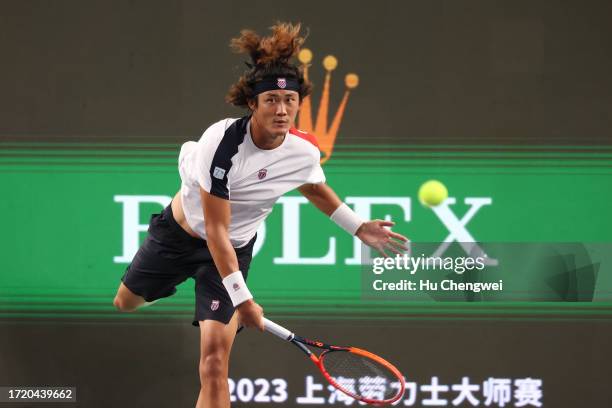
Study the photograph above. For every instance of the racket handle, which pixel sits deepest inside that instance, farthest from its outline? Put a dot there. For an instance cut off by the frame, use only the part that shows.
(277, 330)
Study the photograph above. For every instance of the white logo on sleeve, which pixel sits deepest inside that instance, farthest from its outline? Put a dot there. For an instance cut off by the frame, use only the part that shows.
(219, 173)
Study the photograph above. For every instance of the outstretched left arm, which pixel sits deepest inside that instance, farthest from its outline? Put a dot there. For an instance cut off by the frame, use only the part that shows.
(372, 233)
(322, 196)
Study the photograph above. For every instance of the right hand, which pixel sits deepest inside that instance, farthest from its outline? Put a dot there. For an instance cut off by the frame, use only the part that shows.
(250, 314)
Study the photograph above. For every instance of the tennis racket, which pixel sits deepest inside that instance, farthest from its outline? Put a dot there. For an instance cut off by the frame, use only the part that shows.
(358, 373)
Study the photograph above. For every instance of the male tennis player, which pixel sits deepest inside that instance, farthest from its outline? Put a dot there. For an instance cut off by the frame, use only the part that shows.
(231, 179)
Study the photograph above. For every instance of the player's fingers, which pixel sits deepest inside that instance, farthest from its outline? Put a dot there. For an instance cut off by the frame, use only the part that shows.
(256, 323)
(393, 249)
(398, 245)
(398, 236)
(381, 251)
(260, 324)
(386, 223)
(401, 244)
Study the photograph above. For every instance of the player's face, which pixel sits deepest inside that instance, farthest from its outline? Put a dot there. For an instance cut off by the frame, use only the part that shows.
(276, 111)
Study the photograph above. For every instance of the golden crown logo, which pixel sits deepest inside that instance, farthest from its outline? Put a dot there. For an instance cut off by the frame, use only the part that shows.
(325, 136)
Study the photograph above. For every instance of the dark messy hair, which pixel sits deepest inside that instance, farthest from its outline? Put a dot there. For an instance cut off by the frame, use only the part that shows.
(270, 58)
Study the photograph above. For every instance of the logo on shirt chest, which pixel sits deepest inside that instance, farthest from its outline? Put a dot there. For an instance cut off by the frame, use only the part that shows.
(261, 174)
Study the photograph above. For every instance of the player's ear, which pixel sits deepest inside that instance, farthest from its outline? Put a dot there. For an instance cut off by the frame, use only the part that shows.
(252, 104)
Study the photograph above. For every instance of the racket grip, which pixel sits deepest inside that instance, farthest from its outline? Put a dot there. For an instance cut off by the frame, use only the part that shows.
(277, 330)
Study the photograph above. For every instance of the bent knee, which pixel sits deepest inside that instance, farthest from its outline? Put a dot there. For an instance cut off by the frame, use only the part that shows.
(213, 366)
(122, 305)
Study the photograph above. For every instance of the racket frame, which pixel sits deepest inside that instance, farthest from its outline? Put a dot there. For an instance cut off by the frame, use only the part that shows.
(301, 343)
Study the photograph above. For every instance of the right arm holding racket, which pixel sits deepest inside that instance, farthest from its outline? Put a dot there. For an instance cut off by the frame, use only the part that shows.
(218, 216)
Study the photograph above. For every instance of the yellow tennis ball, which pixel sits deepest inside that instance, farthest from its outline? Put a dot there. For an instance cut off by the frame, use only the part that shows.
(432, 193)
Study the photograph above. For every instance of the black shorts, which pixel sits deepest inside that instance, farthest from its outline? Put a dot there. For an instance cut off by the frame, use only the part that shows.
(169, 256)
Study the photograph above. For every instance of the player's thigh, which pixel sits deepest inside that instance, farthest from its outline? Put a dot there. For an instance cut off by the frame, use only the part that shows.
(217, 338)
(212, 300)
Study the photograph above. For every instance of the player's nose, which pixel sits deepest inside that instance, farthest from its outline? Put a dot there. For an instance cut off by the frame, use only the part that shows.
(281, 109)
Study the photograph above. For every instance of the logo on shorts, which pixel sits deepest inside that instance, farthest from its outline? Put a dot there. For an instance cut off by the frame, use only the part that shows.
(262, 174)
(214, 305)
(282, 83)
(219, 173)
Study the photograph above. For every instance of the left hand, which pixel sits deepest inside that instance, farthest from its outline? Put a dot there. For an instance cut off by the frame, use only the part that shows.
(374, 234)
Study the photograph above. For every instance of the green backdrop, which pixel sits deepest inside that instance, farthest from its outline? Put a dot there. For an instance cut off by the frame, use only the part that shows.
(65, 206)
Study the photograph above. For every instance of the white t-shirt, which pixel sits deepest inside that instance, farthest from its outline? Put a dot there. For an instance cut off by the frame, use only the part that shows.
(226, 163)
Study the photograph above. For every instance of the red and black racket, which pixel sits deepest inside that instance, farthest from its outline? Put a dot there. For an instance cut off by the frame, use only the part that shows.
(356, 372)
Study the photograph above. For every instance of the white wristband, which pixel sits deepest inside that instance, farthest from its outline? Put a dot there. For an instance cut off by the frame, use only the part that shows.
(347, 219)
(236, 288)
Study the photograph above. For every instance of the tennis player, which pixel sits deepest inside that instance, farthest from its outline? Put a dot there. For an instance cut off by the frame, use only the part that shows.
(231, 179)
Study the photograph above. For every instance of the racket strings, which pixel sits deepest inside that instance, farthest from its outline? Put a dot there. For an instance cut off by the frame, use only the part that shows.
(360, 375)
